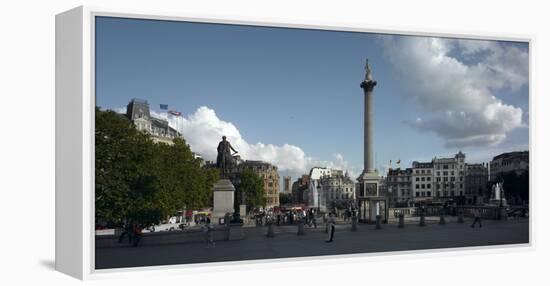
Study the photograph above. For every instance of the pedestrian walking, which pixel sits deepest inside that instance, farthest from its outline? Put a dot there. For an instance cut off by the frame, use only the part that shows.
(477, 217)
(332, 227)
(137, 234)
(208, 235)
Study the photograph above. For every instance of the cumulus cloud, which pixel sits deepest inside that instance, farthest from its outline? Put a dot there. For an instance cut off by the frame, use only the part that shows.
(203, 130)
(454, 82)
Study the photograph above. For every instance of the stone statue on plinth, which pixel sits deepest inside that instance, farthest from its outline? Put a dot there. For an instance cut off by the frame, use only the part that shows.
(224, 190)
(225, 160)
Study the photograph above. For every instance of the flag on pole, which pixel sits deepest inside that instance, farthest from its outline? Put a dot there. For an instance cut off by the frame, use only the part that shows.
(164, 107)
(175, 113)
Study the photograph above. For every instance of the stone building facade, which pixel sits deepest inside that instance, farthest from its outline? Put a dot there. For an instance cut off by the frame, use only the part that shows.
(337, 189)
(399, 186)
(299, 188)
(509, 162)
(270, 175)
(138, 112)
(422, 181)
(449, 177)
(476, 178)
(287, 185)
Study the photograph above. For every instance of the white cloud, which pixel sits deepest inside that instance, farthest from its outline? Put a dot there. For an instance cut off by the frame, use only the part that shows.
(454, 81)
(203, 131)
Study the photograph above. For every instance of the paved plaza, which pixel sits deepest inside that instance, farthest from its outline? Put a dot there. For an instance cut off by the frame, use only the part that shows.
(287, 243)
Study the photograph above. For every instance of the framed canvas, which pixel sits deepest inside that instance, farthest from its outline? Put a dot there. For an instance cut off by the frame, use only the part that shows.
(188, 141)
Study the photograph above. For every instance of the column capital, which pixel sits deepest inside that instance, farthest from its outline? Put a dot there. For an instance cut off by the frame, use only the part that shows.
(368, 85)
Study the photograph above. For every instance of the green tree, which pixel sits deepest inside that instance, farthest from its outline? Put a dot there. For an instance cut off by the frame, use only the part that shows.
(143, 181)
(252, 186)
(123, 183)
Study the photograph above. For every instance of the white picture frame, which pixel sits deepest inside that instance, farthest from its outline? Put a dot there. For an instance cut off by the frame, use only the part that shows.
(74, 213)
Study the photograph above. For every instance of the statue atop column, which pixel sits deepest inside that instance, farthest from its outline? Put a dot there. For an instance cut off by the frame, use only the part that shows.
(225, 160)
(368, 84)
(368, 73)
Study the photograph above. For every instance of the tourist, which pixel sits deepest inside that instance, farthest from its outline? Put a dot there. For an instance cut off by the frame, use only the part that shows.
(477, 217)
(208, 235)
(332, 227)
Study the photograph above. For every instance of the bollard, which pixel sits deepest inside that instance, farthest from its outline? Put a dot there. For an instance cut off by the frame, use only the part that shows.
(441, 219)
(401, 221)
(228, 231)
(270, 232)
(300, 228)
(378, 225)
(422, 220)
(354, 223)
(460, 217)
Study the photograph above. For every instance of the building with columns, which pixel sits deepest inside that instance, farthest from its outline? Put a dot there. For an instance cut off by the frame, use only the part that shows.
(517, 162)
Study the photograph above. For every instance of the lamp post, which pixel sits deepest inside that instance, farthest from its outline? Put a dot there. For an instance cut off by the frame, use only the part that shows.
(318, 197)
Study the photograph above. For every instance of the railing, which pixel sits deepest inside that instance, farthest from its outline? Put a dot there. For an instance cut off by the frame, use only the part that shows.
(486, 212)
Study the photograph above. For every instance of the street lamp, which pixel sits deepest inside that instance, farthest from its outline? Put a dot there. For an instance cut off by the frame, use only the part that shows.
(318, 197)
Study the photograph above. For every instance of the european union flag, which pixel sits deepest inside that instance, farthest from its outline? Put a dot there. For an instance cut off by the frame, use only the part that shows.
(164, 107)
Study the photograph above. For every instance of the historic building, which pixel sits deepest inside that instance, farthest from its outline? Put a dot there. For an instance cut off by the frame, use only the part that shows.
(138, 112)
(475, 180)
(509, 162)
(337, 189)
(324, 187)
(399, 186)
(269, 174)
(449, 177)
(422, 181)
(287, 185)
(299, 188)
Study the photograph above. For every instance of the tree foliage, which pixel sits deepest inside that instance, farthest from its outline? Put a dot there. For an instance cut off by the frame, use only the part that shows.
(139, 180)
(253, 187)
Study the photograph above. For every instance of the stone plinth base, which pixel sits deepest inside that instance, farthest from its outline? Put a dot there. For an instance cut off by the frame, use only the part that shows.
(224, 195)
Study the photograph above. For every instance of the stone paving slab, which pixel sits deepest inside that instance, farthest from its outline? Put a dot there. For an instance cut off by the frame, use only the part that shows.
(287, 243)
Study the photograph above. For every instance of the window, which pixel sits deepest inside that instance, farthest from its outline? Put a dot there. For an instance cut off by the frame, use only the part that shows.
(423, 179)
(422, 172)
(423, 194)
(429, 194)
(445, 179)
(417, 186)
(452, 179)
(417, 194)
(417, 179)
(439, 173)
(428, 186)
(423, 186)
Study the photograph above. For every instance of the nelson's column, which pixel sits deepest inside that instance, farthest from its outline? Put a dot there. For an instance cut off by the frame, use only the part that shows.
(368, 195)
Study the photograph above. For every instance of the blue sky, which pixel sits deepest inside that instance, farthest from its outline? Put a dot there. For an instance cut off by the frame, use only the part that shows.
(293, 94)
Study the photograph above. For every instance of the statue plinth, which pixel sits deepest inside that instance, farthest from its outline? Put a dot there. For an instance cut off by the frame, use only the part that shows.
(224, 197)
